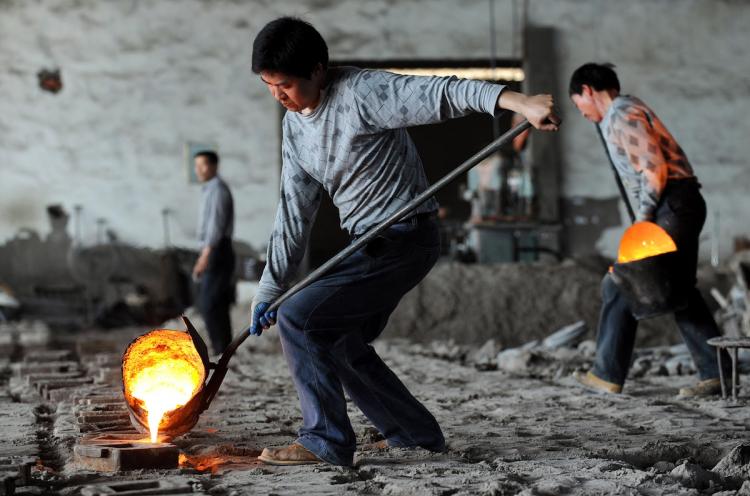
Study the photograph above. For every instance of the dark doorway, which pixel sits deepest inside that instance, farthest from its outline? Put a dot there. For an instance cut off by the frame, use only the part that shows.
(441, 146)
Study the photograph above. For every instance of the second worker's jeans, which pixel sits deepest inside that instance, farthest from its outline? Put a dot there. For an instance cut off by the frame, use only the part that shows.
(326, 330)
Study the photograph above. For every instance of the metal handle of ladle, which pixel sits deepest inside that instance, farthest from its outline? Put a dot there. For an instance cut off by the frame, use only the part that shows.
(221, 368)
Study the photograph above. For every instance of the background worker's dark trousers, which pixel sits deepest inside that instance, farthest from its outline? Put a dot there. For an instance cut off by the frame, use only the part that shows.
(326, 330)
(216, 294)
(682, 213)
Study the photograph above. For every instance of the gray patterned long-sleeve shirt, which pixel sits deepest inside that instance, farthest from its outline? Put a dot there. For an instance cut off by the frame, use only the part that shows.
(645, 154)
(216, 214)
(354, 147)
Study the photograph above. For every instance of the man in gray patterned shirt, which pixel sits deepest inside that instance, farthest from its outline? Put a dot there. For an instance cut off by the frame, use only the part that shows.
(344, 135)
(657, 172)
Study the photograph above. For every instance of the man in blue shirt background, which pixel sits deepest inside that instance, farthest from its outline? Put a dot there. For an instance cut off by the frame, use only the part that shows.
(215, 266)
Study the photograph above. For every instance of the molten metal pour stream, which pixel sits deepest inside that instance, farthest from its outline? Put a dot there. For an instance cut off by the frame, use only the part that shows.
(163, 372)
(164, 387)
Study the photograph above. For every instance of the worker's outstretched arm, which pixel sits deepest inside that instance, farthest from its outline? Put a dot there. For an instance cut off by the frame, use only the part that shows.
(391, 101)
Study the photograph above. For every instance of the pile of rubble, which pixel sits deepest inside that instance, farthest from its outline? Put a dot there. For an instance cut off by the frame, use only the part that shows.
(561, 353)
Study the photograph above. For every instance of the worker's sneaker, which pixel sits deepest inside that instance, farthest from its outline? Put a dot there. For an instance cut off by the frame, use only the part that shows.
(593, 382)
(709, 387)
(294, 454)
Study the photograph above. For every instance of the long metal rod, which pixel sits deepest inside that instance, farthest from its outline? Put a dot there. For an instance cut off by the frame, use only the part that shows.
(403, 211)
(618, 180)
(221, 367)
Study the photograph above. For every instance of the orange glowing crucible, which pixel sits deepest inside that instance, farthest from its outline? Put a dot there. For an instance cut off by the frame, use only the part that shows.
(644, 240)
(161, 372)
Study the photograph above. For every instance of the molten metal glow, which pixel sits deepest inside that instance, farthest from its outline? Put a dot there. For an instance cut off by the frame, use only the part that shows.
(162, 370)
(643, 240)
(164, 387)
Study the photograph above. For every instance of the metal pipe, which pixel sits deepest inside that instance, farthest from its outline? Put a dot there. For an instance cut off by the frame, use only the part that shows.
(221, 367)
(618, 180)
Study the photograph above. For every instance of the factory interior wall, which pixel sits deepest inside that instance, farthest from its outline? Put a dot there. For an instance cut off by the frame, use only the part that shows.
(141, 78)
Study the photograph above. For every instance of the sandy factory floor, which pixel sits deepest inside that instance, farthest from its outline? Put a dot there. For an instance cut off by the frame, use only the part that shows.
(527, 429)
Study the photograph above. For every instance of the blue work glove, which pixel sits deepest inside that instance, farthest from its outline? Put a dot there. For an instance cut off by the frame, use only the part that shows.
(262, 319)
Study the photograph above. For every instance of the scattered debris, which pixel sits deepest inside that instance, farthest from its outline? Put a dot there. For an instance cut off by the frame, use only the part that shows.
(142, 488)
(736, 463)
(525, 433)
(569, 336)
(557, 348)
(694, 476)
(485, 358)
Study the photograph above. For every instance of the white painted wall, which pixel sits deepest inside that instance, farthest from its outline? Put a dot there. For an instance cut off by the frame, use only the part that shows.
(143, 76)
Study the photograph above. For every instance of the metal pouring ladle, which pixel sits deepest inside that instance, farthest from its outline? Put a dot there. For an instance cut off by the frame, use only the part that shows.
(183, 419)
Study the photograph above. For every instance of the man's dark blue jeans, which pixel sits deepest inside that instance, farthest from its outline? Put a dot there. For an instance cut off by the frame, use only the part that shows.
(682, 213)
(326, 330)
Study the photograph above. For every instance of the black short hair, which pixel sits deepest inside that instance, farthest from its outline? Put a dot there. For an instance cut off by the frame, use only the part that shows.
(211, 156)
(598, 76)
(290, 46)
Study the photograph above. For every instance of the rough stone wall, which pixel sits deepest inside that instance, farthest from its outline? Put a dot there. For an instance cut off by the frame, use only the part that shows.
(141, 77)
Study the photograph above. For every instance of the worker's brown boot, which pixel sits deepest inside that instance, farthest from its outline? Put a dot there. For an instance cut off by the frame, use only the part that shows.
(709, 387)
(294, 454)
(593, 382)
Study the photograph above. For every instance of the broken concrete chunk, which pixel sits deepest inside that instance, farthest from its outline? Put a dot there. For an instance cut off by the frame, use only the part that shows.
(587, 348)
(680, 365)
(663, 467)
(485, 357)
(744, 490)
(736, 463)
(640, 367)
(567, 336)
(514, 360)
(694, 476)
